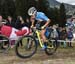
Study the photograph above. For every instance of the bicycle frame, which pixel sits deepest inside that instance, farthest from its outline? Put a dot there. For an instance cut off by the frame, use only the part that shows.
(31, 44)
(39, 39)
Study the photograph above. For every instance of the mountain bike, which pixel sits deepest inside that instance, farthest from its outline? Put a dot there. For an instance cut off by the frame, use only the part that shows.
(30, 44)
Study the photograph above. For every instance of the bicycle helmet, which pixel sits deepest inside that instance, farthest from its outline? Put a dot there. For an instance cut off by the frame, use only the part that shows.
(32, 11)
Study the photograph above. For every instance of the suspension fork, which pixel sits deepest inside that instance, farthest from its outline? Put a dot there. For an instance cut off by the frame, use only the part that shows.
(39, 38)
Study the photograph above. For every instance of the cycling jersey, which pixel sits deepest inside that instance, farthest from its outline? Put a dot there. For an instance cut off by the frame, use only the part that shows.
(40, 16)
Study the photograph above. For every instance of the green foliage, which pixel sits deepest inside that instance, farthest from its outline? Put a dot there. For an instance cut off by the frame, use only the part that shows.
(62, 15)
(7, 8)
(43, 6)
(23, 6)
(54, 15)
(20, 7)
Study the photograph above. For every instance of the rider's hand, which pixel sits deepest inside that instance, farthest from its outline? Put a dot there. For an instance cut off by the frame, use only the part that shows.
(42, 27)
(32, 26)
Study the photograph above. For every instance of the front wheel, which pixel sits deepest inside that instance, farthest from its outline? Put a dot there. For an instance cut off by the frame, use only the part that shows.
(52, 46)
(28, 47)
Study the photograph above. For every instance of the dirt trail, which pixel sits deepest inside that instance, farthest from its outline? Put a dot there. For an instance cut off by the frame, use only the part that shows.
(62, 56)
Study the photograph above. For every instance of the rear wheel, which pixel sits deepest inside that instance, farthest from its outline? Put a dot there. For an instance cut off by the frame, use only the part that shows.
(28, 47)
(52, 46)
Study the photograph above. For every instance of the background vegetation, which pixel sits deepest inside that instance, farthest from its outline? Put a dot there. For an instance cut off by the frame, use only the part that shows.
(20, 7)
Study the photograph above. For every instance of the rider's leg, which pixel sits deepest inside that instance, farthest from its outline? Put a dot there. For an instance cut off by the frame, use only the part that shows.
(43, 35)
(44, 39)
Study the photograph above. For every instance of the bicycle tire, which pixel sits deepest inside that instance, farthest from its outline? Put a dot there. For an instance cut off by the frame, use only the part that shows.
(51, 51)
(28, 55)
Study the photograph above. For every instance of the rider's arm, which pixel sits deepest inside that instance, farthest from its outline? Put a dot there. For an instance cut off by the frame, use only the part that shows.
(32, 20)
(43, 17)
(32, 23)
(48, 21)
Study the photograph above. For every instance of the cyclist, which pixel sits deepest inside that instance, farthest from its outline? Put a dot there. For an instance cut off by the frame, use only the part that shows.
(42, 19)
